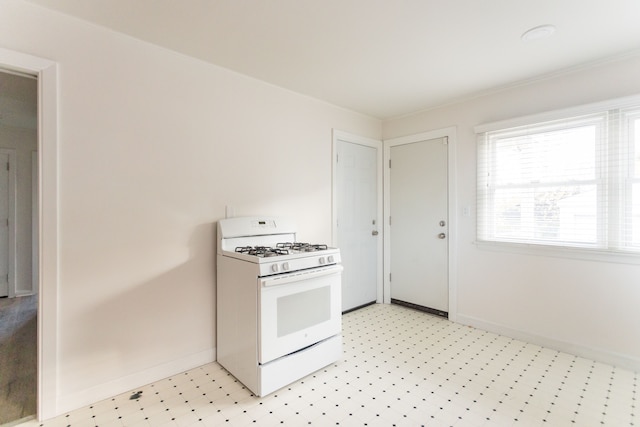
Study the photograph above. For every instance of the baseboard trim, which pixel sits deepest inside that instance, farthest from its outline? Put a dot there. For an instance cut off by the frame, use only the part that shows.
(599, 355)
(103, 391)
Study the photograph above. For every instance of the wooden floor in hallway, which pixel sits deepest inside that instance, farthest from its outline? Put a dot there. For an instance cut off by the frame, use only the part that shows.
(18, 357)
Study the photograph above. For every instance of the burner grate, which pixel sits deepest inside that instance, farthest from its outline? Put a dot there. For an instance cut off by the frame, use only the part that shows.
(302, 247)
(285, 248)
(261, 251)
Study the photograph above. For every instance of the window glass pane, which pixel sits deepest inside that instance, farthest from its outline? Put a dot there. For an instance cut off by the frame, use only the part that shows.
(636, 145)
(552, 214)
(635, 216)
(553, 156)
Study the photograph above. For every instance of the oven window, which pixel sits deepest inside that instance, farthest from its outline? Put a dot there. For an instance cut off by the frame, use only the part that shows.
(303, 310)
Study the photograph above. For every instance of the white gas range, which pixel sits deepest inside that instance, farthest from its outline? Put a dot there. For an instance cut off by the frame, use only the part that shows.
(278, 303)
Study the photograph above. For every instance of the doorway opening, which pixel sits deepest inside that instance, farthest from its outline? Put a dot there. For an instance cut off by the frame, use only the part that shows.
(18, 245)
(47, 224)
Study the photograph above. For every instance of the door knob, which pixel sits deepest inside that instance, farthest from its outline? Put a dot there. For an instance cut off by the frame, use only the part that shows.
(374, 233)
(441, 236)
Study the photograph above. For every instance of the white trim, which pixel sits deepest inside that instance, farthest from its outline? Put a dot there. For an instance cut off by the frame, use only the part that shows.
(451, 134)
(602, 355)
(368, 142)
(596, 107)
(580, 253)
(105, 390)
(46, 72)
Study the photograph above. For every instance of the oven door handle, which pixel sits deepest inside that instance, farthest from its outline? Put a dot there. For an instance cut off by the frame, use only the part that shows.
(297, 276)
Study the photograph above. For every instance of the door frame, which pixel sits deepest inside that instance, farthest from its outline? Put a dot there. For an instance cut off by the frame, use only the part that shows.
(338, 135)
(48, 223)
(450, 134)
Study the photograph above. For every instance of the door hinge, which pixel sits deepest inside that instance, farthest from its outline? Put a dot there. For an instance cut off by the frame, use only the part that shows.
(337, 158)
(389, 163)
(7, 165)
(389, 276)
(389, 220)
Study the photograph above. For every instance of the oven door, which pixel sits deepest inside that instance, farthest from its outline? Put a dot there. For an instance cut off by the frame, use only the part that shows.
(298, 310)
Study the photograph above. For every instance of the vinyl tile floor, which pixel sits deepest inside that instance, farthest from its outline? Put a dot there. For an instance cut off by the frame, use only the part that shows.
(400, 367)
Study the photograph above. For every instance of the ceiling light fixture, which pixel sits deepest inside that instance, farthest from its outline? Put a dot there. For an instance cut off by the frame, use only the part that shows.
(539, 32)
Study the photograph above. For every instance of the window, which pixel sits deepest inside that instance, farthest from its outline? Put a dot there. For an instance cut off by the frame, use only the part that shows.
(569, 182)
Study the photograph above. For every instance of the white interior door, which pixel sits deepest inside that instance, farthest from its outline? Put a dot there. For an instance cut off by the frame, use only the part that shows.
(4, 223)
(357, 195)
(418, 201)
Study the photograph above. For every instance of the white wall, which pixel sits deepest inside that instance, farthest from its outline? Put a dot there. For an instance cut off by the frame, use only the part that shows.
(586, 307)
(152, 146)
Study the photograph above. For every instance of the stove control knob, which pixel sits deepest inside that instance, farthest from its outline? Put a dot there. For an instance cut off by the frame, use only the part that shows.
(321, 260)
(285, 266)
(274, 268)
(331, 258)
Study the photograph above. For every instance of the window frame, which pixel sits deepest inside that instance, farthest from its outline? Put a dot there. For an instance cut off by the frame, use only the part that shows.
(613, 180)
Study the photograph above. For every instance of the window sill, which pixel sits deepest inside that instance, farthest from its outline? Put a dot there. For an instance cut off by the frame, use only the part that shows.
(588, 254)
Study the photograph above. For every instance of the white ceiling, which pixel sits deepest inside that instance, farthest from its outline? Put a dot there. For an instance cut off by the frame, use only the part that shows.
(383, 58)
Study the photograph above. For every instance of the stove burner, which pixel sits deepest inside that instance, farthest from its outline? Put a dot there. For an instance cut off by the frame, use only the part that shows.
(261, 251)
(302, 247)
(280, 249)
